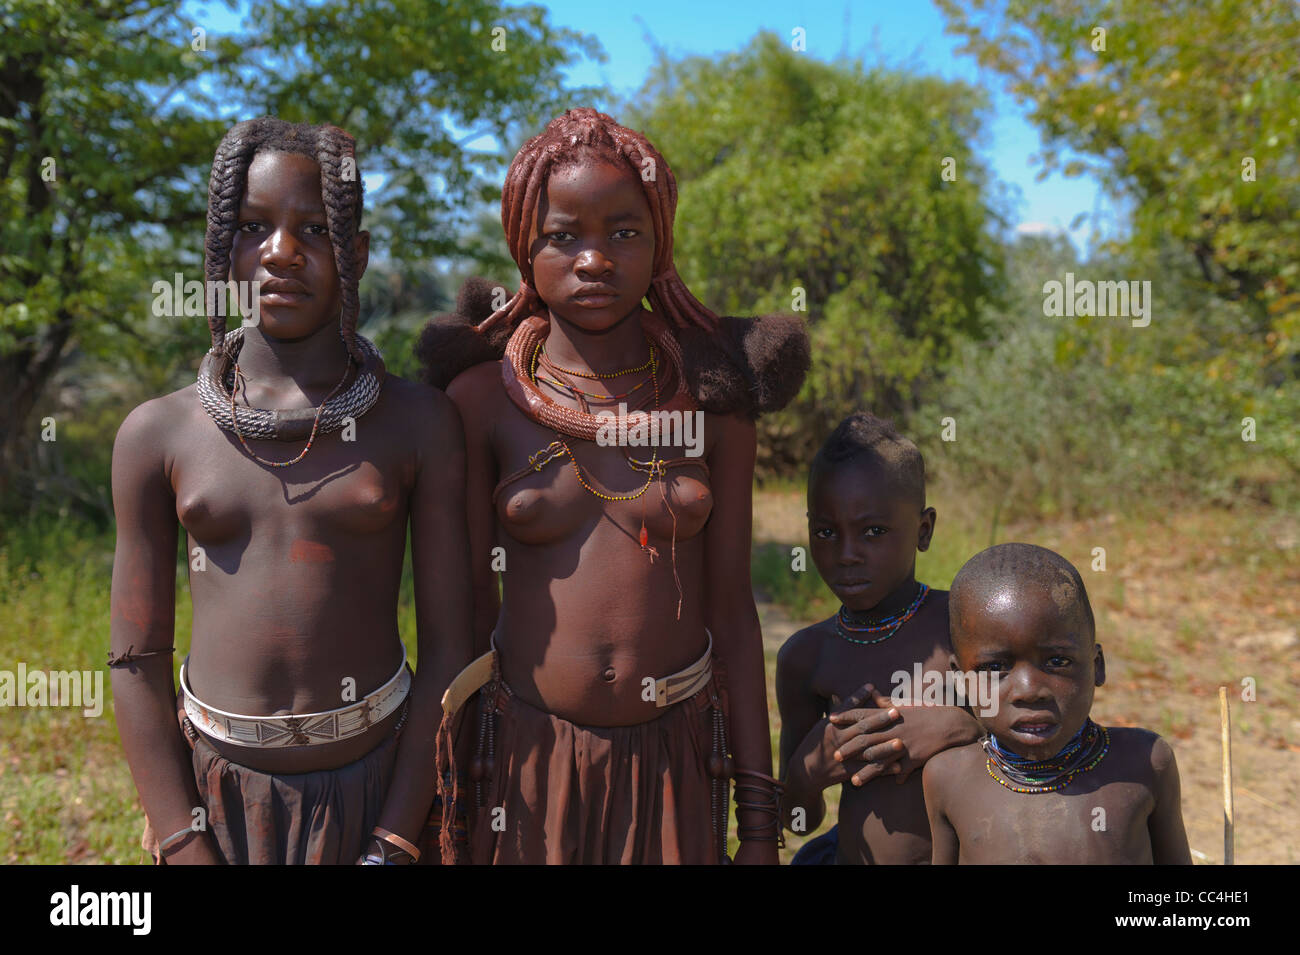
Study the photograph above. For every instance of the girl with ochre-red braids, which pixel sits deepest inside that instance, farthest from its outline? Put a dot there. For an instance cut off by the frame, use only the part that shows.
(620, 694)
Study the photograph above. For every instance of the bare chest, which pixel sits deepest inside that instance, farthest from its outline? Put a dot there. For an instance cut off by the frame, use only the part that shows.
(554, 486)
(339, 489)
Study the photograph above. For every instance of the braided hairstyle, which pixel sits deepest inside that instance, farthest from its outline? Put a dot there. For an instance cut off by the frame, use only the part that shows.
(328, 146)
(585, 133)
(731, 364)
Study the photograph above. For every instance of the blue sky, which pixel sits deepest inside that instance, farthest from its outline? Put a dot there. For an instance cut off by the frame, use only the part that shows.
(905, 34)
(908, 33)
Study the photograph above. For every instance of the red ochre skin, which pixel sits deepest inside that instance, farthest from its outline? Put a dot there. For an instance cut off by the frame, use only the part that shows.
(1124, 811)
(860, 528)
(303, 563)
(585, 616)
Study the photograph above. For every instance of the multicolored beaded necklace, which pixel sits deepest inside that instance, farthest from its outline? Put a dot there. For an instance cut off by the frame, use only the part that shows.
(845, 624)
(1086, 749)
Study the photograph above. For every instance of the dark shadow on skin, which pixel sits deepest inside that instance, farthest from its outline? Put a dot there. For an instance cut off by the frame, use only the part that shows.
(888, 819)
(231, 554)
(311, 492)
(227, 559)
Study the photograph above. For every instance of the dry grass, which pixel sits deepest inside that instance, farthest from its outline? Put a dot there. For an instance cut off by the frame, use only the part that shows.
(1191, 599)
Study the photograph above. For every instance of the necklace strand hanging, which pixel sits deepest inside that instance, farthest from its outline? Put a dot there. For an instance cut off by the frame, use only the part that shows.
(315, 424)
(523, 391)
(541, 361)
(653, 468)
(1085, 751)
(845, 624)
(546, 360)
(651, 464)
(216, 387)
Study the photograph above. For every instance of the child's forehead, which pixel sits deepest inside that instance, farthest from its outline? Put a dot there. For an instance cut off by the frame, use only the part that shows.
(283, 179)
(861, 480)
(592, 178)
(1015, 610)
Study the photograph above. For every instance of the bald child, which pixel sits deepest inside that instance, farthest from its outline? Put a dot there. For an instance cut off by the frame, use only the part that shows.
(1046, 784)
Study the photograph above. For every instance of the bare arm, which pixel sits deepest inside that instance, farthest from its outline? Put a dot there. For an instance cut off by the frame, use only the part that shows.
(473, 392)
(1168, 837)
(802, 717)
(946, 849)
(439, 555)
(730, 613)
(142, 613)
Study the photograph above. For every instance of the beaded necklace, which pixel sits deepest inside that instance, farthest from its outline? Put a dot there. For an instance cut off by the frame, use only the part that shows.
(597, 374)
(653, 468)
(216, 386)
(315, 424)
(523, 391)
(845, 624)
(1085, 750)
(541, 360)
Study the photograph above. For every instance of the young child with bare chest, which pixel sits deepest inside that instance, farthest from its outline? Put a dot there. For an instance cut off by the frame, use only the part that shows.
(842, 723)
(1046, 784)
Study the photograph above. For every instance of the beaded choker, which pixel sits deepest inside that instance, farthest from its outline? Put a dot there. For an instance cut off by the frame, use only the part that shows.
(846, 624)
(216, 386)
(1086, 749)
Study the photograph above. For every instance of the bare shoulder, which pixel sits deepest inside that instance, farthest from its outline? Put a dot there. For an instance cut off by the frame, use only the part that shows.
(477, 384)
(935, 611)
(479, 395)
(798, 656)
(413, 397)
(149, 429)
(953, 763)
(729, 431)
(1142, 747)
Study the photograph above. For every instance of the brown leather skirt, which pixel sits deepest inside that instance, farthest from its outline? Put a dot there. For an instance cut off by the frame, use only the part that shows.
(550, 791)
(318, 818)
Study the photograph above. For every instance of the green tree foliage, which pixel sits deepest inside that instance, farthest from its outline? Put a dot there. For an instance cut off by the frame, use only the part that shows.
(110, 113)
(1164, 107)
(1187, 108)
(1082, 414)
(796, 174)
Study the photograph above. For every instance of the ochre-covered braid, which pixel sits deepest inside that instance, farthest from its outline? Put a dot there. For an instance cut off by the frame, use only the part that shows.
(587, 134)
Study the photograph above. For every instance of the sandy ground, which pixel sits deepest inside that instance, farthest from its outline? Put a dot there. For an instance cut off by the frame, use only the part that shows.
(1188, 602)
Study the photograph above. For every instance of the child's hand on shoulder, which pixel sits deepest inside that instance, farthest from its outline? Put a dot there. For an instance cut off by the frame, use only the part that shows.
(850, 744)
(897, 739)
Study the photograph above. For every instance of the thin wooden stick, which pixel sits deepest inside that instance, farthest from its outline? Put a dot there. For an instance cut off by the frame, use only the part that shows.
(1225, 725)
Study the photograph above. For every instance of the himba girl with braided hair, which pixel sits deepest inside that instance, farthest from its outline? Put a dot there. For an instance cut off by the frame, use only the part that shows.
(622, 687)
(302, 737)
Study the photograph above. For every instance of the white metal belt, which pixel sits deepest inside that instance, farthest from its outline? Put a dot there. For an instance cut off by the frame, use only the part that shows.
(298, 729)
